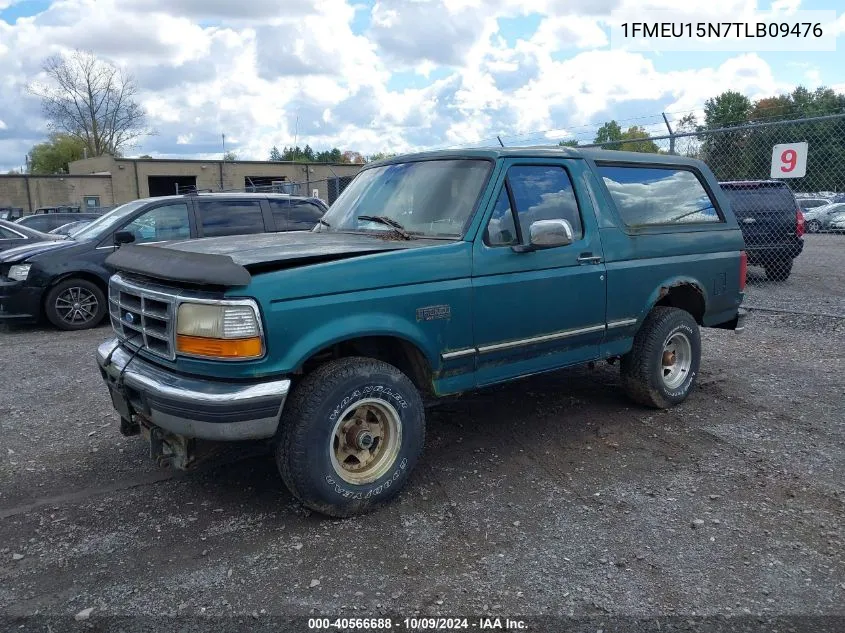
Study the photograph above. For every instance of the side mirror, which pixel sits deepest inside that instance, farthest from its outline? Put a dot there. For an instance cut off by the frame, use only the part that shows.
(546, 234)
(124, 237)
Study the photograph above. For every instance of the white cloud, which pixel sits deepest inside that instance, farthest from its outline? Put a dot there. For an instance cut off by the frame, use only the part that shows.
(397, 76)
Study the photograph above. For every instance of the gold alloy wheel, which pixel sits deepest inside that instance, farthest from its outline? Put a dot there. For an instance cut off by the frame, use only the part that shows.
(366, 441)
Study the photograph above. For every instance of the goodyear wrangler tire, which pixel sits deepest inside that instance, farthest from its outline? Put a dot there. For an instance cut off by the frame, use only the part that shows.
(661, 368)
(350, 435)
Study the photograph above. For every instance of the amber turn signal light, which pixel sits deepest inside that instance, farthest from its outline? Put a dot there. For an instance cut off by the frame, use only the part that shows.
(219, 348)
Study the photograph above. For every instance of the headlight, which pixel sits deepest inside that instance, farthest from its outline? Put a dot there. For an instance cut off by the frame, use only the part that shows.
(219, 331)
(19, 272)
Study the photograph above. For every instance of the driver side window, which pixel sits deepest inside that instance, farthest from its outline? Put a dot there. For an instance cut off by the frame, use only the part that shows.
(501, 230)
(161, 224)
(539, 192)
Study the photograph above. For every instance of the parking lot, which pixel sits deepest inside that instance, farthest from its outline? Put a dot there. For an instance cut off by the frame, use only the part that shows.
(553, 495)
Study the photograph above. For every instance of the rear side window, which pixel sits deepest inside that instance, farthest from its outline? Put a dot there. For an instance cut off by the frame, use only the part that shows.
(230, 217)
(658, 195)
(6, 234)
(295, 214)
(750, 198)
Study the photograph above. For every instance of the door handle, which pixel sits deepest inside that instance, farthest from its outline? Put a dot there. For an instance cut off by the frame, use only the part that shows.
(589, 258)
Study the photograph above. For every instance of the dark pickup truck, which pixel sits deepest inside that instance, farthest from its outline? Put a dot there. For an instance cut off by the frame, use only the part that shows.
(431, 275)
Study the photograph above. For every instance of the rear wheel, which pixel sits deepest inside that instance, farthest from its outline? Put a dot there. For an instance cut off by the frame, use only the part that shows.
(662, 366)
(350, 435)
(779, 270)
(813, 226)
(75, 304)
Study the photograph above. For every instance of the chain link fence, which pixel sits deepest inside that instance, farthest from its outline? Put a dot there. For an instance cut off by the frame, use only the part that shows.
(794, 227)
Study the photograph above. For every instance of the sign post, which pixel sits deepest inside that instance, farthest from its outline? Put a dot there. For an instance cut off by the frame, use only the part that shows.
(789, 160)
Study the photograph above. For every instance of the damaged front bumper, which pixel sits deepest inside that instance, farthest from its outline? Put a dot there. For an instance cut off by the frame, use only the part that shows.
(187, 407)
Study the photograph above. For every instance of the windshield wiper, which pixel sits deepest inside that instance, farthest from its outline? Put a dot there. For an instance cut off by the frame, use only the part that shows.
(383, 219)
(324, 223)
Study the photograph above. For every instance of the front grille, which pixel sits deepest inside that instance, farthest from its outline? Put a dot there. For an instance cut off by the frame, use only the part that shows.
(142, 317)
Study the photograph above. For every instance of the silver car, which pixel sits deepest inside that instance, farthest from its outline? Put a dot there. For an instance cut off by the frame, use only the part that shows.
(836, 223)
(818, 218)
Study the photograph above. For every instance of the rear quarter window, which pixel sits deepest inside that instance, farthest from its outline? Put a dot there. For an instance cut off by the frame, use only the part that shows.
(655, 196)
(230, 217)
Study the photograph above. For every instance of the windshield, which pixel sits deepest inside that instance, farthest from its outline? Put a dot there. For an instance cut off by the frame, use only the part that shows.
(109, 221)
(433, 198)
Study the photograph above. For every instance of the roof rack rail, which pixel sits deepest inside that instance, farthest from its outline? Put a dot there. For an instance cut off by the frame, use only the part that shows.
(194, 192)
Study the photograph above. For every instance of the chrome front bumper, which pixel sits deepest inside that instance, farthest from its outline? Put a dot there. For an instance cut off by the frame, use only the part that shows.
(188, 406)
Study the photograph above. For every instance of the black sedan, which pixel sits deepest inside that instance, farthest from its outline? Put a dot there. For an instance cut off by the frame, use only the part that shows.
(13, 234)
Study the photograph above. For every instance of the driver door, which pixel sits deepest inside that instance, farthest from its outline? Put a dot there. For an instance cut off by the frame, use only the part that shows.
(537, 310)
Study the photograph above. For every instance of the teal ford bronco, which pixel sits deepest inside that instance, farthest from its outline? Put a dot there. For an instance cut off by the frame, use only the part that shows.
(432, 274)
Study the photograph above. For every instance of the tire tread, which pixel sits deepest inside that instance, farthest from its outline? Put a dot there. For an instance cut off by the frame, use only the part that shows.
(291, 451)
(635, 370)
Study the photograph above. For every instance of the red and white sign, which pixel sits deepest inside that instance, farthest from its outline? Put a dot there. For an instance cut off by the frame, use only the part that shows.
(789, 160)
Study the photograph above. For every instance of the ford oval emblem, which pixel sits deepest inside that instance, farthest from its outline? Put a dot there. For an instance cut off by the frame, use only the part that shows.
(129, 317)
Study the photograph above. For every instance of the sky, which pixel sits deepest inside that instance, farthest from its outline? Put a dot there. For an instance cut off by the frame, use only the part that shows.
(391, 76)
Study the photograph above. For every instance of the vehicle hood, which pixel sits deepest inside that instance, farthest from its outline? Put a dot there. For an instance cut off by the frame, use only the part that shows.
(228, 261)
(21, 253)
(250, 250)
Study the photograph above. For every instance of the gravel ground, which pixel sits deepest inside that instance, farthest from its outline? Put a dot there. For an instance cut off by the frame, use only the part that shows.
(817, 283)
(552, 495)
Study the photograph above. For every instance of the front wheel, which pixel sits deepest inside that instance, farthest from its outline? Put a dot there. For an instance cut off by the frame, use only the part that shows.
(75, 304)
(350, 435)
(663, 364)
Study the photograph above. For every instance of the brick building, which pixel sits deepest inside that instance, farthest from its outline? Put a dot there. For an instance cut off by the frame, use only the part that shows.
(106, 181)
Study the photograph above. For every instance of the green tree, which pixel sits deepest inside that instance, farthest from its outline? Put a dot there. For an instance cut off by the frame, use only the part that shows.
(145, 156)
(634, 139)
(333, 155)
(638, 140)
(372, 158)
(54, 156)
(687, 145)
(724, 152)
(230, 156)
(308, 155)
(825, 139)
(609, 132)
(572, 143)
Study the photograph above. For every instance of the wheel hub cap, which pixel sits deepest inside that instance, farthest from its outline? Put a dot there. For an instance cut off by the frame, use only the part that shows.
(365, 441)
(76, 305)
(676, 360)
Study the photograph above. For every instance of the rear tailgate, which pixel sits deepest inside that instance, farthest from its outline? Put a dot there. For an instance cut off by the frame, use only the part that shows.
(766, 212)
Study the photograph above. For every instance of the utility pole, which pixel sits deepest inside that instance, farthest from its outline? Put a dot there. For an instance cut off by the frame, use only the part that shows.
(222, 160)
(295, 134)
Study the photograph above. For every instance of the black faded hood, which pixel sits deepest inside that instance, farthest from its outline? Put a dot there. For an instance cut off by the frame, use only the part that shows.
(227, 261)
(21, 253)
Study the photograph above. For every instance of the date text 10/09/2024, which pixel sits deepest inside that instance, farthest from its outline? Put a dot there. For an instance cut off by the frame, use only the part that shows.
(669, 30)
(418, 624)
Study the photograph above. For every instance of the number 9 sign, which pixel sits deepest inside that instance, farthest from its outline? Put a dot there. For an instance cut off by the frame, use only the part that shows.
(789, 160)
